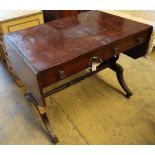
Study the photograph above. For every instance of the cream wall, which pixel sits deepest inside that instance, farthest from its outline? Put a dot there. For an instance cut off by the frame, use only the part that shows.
(148, 14)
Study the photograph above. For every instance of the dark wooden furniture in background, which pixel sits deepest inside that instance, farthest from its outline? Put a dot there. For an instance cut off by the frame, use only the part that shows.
(50, 15)
(48, 53)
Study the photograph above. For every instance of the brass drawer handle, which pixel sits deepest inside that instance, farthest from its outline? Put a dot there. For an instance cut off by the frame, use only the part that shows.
(116, 50)
(61, 74)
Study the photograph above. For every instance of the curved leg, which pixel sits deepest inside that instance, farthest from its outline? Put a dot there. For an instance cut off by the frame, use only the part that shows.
(46, 122)
(119, 72)
(43, 116)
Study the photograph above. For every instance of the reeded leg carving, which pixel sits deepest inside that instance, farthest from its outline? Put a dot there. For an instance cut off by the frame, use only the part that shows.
(119, 72)
(43, 116)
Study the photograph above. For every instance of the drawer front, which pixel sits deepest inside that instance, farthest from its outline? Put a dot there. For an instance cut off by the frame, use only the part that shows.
(22, 23)
(57, 73)
(62, 71)
(129, 43)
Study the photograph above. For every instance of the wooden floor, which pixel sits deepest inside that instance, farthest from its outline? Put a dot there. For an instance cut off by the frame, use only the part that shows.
(93, 111)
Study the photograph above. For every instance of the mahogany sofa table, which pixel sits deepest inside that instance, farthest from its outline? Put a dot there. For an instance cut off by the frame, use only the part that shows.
(48, 53)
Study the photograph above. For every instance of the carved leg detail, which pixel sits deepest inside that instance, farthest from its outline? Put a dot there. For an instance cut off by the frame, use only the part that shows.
(119, 72)
(43, 116)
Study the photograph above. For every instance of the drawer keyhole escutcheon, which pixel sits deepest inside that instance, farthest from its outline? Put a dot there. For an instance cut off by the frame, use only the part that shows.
(62, 74)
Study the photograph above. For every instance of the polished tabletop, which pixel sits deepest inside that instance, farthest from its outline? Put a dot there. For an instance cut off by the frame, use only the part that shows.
(58, 41)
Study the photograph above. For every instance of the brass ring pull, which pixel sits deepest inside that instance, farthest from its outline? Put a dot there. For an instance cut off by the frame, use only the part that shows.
(116, 50)
(94, 62)
(95, 59)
